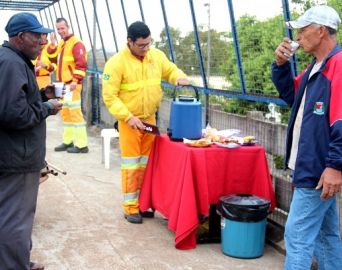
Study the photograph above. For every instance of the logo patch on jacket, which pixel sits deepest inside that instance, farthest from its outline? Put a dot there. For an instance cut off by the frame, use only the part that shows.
(319, 108)
(106, 77)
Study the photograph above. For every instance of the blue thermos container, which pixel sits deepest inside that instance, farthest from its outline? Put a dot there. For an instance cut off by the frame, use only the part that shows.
(185, 116)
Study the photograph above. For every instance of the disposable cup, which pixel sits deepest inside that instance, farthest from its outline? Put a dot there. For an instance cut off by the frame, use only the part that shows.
(294, 46)
(58, 89)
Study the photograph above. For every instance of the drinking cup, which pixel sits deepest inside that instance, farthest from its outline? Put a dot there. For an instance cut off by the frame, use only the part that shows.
(59, 86)
(294, 46)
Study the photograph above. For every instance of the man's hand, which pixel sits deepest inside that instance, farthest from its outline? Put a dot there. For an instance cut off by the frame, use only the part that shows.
(283, 52)
(73, 85)
(183, 81)
(41, 64)
(53, 38)
(49, 91)
(135, 123)
(57, 106)
(331, 181)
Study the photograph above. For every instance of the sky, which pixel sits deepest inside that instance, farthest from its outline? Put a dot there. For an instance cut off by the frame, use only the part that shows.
(177, 11)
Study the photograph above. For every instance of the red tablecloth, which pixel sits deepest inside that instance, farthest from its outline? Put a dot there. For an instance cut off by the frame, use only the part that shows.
(181, 182)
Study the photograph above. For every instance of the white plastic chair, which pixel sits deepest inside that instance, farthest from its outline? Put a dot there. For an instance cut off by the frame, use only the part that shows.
(107, 134)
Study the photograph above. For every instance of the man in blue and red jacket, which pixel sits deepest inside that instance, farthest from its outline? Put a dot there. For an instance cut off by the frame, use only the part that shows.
(314, 139)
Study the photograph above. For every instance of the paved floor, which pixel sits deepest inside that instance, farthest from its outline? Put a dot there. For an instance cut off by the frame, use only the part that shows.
(79, 224)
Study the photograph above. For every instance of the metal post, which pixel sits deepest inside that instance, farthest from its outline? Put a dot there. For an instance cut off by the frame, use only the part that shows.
(78, 23)
(124, 13)
(95, 83)
(236, 46)
(208, 43)
(200, 58)
(112, 27)
(47, 18)
(167, 31)
(141, 11)
(287, 17)
(70, 21)
(96, 23)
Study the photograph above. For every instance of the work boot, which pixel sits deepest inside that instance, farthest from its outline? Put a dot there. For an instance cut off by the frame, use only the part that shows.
(134, 218)
(147, 214)
(63, 147)
(76, 150)
(36, 266)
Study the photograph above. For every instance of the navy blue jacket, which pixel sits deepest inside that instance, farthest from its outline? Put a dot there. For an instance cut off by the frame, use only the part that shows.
(320, 142)
(22, 114)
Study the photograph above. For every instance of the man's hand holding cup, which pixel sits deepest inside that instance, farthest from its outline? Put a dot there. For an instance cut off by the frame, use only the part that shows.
(59, 89)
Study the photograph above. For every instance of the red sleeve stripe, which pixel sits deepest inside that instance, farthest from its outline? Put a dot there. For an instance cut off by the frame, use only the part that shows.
(333, 73)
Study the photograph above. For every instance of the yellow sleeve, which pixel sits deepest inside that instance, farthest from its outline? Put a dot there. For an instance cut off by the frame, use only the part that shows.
(111, 81)
(170, 72)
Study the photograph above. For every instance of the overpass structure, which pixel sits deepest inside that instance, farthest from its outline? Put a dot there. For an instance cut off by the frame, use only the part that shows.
(203, 50)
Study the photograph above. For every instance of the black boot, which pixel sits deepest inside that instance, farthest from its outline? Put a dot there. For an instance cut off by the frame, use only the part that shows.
(63, 147)
(76, 150)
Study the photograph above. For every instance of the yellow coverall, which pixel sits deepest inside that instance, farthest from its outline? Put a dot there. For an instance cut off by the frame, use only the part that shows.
(71, 67)
(132, 87)
(43, 75)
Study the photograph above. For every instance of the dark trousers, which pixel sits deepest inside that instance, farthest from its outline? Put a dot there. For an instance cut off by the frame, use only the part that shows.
(18, 199)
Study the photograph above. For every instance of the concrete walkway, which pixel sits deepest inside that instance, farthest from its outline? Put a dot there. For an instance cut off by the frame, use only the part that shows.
(79, 223)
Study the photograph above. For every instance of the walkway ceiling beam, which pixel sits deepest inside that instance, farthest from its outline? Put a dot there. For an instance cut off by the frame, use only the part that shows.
(26, 5)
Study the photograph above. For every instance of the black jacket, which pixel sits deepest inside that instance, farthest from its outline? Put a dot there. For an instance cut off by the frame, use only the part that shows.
(22, 114)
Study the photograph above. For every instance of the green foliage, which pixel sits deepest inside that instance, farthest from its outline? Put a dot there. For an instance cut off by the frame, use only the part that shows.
(336, 4)
(279, 162)
(186, 56)
(257, 43)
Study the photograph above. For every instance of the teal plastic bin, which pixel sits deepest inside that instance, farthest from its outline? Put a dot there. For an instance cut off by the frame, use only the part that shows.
(243, 225)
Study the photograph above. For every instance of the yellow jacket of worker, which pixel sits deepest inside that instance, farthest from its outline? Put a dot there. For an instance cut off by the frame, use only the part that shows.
(69, 67)
(43, 57)
(133, 87)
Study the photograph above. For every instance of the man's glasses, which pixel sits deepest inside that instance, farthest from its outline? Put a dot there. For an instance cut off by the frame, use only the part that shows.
(142, 46)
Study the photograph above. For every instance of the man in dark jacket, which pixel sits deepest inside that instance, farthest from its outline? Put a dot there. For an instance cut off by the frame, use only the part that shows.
(22, 138)
(314, 140)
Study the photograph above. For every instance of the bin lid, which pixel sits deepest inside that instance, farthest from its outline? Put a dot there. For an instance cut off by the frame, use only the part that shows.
(243, 207)
(244, 200)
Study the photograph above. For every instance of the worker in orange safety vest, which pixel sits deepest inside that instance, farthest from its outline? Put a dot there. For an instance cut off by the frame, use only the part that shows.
(71, 58)
(43, 67)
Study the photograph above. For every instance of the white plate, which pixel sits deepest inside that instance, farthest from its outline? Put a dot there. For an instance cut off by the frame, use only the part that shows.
(227, 145)
(228, 132)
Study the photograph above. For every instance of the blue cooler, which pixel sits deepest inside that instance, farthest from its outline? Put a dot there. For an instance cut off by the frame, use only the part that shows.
(185, 116)
(243, 225)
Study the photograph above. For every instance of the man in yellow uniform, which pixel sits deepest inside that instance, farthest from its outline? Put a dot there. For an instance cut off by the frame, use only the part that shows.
(43, 66)
(71, 58)
(132, 93)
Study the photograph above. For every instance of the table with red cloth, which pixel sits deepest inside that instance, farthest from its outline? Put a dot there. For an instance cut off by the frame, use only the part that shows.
(181, 182)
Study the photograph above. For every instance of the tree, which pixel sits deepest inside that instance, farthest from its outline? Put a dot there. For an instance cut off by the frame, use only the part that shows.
(185, 49)
(257, 42)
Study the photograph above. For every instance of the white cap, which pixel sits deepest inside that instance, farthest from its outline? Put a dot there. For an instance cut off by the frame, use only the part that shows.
(323, 15)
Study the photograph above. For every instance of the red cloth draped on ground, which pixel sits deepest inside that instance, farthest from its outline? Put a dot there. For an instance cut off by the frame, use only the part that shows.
(181, 182)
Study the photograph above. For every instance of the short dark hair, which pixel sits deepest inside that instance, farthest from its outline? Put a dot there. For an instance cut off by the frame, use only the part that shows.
(58, 20)
(138, 30)
(331, 31)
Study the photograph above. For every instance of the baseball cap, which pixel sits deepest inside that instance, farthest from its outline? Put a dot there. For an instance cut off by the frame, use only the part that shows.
(323, 15)
(25, 22)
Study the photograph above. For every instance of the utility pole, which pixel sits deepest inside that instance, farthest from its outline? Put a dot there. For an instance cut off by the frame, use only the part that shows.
(207, 5)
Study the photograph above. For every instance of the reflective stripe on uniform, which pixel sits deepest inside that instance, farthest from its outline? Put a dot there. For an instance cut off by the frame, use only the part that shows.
(72, 104)
(80, 72)
(139, 84)
(130, 196)
(133, 162)
(66, 124)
